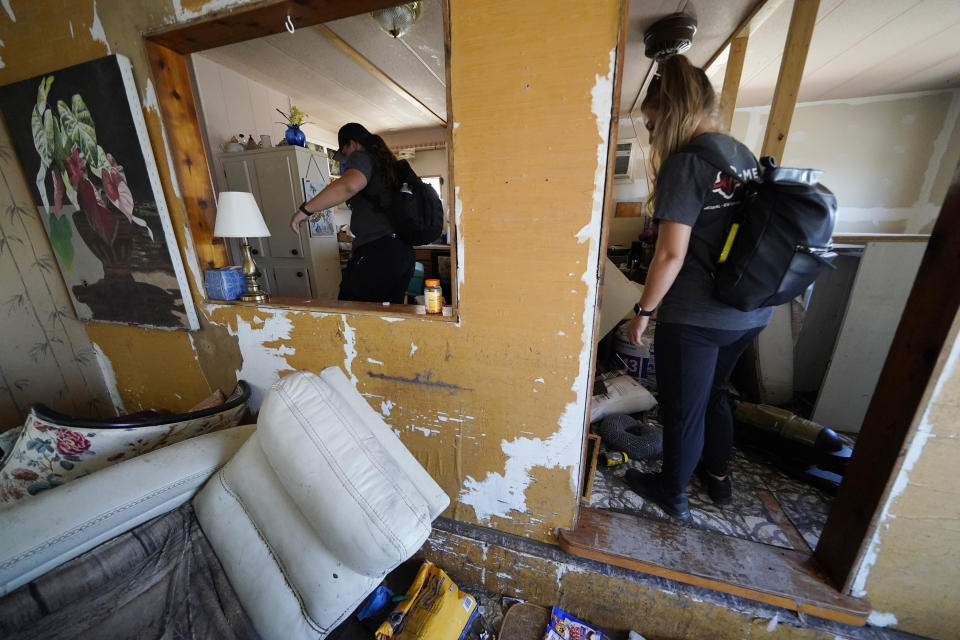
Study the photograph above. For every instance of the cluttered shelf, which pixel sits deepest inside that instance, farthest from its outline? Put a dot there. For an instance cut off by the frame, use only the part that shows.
(347, 307)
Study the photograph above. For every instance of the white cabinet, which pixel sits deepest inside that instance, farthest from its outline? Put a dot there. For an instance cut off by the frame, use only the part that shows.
(291, 265)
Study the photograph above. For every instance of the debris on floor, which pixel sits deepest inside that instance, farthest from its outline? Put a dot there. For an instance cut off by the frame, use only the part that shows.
(563, 626)
(434, 609)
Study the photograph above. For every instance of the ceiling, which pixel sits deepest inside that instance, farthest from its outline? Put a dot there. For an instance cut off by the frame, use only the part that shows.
(859, 48)
(333, 88)
(715, 22)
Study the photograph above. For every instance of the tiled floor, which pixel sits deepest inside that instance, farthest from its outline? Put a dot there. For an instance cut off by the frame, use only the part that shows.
(747, 517)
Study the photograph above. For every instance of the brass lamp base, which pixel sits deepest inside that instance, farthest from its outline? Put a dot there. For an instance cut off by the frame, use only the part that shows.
(254, 292)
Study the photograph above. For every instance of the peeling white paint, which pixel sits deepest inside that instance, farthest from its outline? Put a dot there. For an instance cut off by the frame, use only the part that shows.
(772, 625)
(413, 349)
(349, 350)
(390, 318)
(184, 15)
(96, 29)
(6, 6)
(923, 435)
(372, 361)
(385, 407)
(2, 64)
(540, 380)
(109, 379)
(70, 22)
(262, 365)
(458, 216)
(561, 333)
(193, 346)
(878, 619)
(499, 494)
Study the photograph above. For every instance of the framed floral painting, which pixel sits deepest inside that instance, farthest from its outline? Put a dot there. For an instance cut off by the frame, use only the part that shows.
(81, 139)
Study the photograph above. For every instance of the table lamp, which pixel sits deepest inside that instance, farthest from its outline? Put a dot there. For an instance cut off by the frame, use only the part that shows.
(238, 216)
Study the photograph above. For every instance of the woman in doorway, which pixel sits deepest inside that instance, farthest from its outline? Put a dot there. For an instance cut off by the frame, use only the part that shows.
(381, 264)
(698, 338)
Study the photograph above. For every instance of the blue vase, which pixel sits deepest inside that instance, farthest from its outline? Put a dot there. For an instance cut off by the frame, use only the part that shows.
(294, 136)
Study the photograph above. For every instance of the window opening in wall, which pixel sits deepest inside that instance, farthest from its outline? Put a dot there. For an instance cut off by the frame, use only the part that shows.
(333, 73)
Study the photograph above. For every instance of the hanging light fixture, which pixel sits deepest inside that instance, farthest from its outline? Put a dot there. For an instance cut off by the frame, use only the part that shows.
(398, 20)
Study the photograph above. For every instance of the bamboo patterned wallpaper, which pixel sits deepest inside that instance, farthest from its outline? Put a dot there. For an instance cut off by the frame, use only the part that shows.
(45, 354)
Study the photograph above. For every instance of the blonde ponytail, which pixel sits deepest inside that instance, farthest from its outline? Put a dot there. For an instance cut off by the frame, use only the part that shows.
(682, 96)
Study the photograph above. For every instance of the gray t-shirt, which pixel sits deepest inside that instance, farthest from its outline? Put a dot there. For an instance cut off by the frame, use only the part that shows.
(693, 192)
(366, 222)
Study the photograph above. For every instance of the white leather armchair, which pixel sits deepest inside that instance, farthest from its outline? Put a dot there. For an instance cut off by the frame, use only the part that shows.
(307, 513)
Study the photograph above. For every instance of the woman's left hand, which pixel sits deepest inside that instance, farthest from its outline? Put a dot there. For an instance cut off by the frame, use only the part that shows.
(298, 219)
(636, 328)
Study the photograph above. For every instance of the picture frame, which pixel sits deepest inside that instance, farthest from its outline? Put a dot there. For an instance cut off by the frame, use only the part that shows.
(321, 224)
(81, 138)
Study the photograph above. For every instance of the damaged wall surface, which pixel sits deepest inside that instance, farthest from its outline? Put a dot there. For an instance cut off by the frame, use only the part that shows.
(492, 405)
(910, 573)
(889, 159)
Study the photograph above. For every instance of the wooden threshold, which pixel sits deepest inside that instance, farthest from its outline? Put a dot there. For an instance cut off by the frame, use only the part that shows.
(780, 577)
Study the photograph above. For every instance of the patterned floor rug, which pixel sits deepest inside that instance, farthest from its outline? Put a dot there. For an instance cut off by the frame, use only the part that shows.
(753, 515)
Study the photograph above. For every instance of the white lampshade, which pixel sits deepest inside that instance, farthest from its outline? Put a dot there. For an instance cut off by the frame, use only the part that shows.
(238, 216)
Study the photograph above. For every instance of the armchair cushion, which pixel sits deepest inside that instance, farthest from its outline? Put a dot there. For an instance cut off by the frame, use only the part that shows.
(320, 504)
(53, 449)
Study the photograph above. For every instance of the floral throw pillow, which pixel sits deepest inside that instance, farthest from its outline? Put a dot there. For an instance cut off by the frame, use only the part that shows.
(48, 454)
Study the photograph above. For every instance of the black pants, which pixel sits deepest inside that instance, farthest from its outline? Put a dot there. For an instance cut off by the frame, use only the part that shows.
(378, 271)
(693, 376)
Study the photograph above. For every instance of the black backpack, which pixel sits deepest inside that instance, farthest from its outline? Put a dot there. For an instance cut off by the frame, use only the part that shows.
(778, 239)
(413, 207)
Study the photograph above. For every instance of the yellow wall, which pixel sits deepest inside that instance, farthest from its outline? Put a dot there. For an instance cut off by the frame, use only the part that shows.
(912, 567)
(492, 405)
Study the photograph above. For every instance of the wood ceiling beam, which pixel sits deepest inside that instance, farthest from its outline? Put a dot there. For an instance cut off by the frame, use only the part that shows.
(376, 72)
(802, 22)
(731, 83)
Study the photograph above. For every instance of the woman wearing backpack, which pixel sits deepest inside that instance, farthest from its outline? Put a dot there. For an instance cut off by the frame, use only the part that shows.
(698, 338)
(381, 264)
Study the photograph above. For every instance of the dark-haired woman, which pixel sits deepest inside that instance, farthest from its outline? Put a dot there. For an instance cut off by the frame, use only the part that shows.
(698, 338)
(381, 264)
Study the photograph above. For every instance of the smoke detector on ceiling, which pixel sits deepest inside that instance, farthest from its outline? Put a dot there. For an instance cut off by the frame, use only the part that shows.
(669, 36)
(398, 20)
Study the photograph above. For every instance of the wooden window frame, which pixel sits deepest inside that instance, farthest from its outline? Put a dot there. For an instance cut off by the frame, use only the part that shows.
(168, 50)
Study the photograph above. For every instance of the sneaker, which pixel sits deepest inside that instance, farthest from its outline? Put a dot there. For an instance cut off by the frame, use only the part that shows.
(647, 486)
(720, 491)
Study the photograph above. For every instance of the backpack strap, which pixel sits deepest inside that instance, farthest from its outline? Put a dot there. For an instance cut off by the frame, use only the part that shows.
(735, 220)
